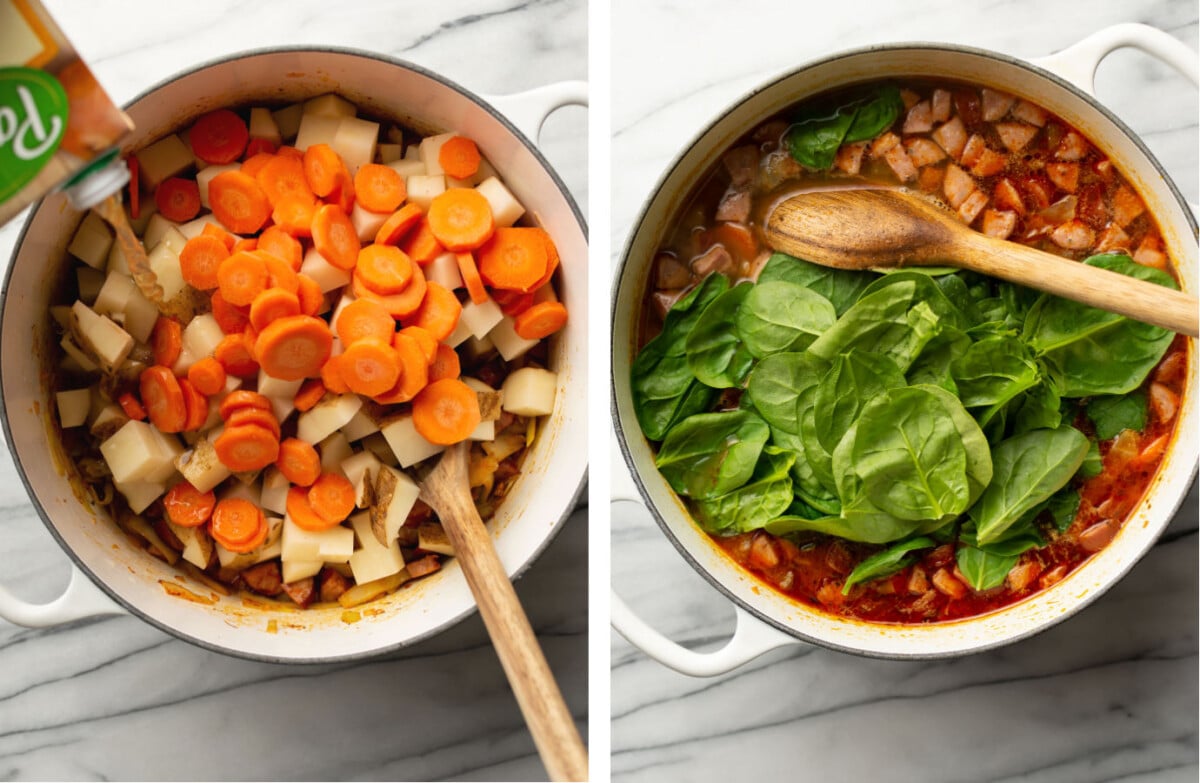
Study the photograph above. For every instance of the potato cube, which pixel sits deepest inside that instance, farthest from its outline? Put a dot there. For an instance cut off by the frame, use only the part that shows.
(89, 281)
(389, 153)
(202, 335)
(114, 294)
(295, 570)
(263, 126)
(530, 391)
(287, 120)
(359, 427)
(164, 262)
(507, 341)
(506, 210)
(117, 262)
(373, 561)
(406, 443)
(104, 341)
(366, 223)
(316, 129)
(91, 241)
(164, 158)
(408, 167)
(139, 452)
(423, 188)
(200, 465)
(327, 276)
(275, 488)
(355, 141)
(140, 494)
(329, 105)
(394, 496)
(140, 316)
(73, 407)
(156, 230)
(332, 413)
(334, 450)
(444, 271)
(335, 544)
(481, 318)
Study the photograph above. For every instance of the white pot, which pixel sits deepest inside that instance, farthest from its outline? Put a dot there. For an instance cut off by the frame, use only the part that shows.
(525, 523)
(767, 619)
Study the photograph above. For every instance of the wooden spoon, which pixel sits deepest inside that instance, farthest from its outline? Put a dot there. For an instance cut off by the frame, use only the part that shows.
(879, 228)
(541, 702)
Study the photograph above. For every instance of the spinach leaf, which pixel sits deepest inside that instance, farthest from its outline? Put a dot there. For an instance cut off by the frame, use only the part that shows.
(1063, 507)
(991, 372)
(781, 316)
(853, 380)
(1093, 463)
(889, 561)
(932, 365)
(814, 139)
(819, 460)
(884, 321)
(660, 378)
(1035, 409)
(1029, 468)
(841, 287)
(709, 454)
(979, 453)
(876, 114)
(767, 495)
(777, 383)
(983, 568)
(862, 523)
(714, 353)
(925, 289)
(1111, 414)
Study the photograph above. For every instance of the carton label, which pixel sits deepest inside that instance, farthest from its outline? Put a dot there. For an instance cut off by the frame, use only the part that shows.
(33, 115)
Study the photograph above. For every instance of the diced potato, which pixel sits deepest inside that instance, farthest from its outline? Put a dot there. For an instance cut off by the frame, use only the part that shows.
(334, 450)
(287, 120)
(360, 426)
(117, 262)
(91, 241)
(429, 149)
(275, 488)
(330, 414)
(327, 276)
(236, 561)
(477, 347)
(139, 452)
(197, 545)
(263, 126)
(355, 141)
(202, 335)
(73, 407)
(432, 538)
(388, 153)
(205, 176)
(462, 331)
(316, 129)
(140, 316)
(139, 495)
(104, 341)
(361, 593)
(107, 421)
(89, 281)
(423, 188)
(366, 223)
(406, 443)
(164, 158)
(164, 262)
(329, 105)
(444, 271)
(394, 496)
(114, 295)
(530, 391)
(395, 136)
(485, 430)
(200, 466)
(159, 230)
(148, 210)
(408, 167)
(507, 341)
(481, 318)
(295, 570)
(373, 561)
(506, 210)
(75, 354)
(361, 470)
(269, 386)
(335, 544)
(247, 491)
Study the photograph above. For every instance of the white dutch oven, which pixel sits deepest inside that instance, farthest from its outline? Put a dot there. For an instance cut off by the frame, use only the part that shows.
(767, 620)
(131, 580)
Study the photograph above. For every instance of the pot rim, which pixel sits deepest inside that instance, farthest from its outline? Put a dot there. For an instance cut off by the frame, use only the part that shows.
(78, 561)
(623, 263)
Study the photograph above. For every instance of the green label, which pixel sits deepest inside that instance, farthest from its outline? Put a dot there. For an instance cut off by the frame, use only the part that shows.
(33, 117)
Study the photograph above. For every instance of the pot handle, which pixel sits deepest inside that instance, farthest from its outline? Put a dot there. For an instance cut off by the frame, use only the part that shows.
(751, 637)
(1077, 64)
(81, 599)
(528, 110)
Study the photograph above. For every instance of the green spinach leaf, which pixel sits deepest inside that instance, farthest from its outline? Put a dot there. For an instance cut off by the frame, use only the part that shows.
(853, 380)
(709, 454)
(814, 139)
(984, 569)
(841, 287)
(715, 354)
(885, 321)
(991, 372)
(781, 316)
(767, 495)
(890, 561)
(1111, 414)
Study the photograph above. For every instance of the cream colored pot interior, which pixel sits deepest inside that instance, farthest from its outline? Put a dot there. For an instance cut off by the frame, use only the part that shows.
(540, 499)
(918, 641)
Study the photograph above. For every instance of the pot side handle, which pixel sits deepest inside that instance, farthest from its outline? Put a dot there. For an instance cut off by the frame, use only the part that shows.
(1077, 63)
(81, 599)
(528, 110)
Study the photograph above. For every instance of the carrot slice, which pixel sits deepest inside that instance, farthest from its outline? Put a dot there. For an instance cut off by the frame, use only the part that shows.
(552, 259)
(294, 348)
(514, 259)
(413, 376)
(237, 524)
(258, 145)
(280, 274)
(540, 320)
(207, 375)
(242, 398)
(241, 277)
(238, 202)
(370, 367)
(200, 259)
(460, 219)
(271, 305)
(236, 355)
(424, 339)
(343, 193)
(178, 199)
(132, 407)
(298, 462)
(309, 292)
(332, 497)
(512, 303)
(398, 305)
(219, 137)
(331, 375)
(233, 319)
(281, 244)
(187, 506)
(384, 269)
(196, 405)
(294, 213)
(135, 186)
(290, 151)
(254, 163)
(421, 245)
(378, 188)
(163, 399)
(213, 230)
(255, 417)
(459, 157)
(245, 245)
(398, 225)
(471, 278)
(251, 545)
(246, 447)
(439, 311)
(166, 339)
(322, 166)
(282, 176)
(311, 392)
(334, 237)
(445, 364)
(301, 512)
(446, 412)
(362, 319)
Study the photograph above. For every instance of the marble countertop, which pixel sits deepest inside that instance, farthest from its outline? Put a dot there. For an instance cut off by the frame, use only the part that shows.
(1108, 695)
(117, 699)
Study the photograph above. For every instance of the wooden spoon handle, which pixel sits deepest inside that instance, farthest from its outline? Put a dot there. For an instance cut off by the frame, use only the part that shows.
(550, 722)
(1107, 290)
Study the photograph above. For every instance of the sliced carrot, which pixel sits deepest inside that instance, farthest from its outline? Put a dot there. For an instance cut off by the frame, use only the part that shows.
(236, 355)
(398, 305)
(163, 399)
(282, 176)
(290, 152)
(254, 163)
(737, 239)
(384, 269)
(459, 157)
(258, 145)
(445, 364)
(271, 305)
(370, 367)
(309, 292)
(446, 412)
(424, 339)
(178, 199)
(166, 340)
(294, 214)
(187, 506)
(233, 319)
(332, 497)
(399, 224)
(132, 407)
(246, 447)
(249, 545)
(512, 303)
(196, 405)
(460, 219)
(294, 348)
(311, 392)
(413, 376)
(470, 276)
(513, 259)
(343, 193)
(242, 398)
(207, 375)
(280, 273)
(364, 319)
(439, 311)
(238, 202)
(298, 462)
(241, 277)
(219, 137)
(334, 237)
(379, 188)
(236, 522)
(245, 245)
(552, 259)
(281, 244)
(331, 376)
(301, 512)
(540, 320)
(321, 169)
(421, 245)
(213, 230)
(200, 259)
(135, 187)
(255, 417)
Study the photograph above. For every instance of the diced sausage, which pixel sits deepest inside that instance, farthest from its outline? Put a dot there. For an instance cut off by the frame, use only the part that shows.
(1073, 235)
(1029, 113)
(763, 554)
(1149, 253)
(884, 143)
(957, 185)
(940, 556)
(301, 591)
(1112, 238)
(899, 162)
(424, 566)
(947, 585)
(919, 118)
(1015, 136)
(939, 105)
(996, 104)
(966, 101)
(972, 206)
(1098, 535)
(909, 97)
(1171, 369)
(264, 578)
(1072, 147)
(1053, 576)
(670, 272)
(333, 584)
(923, 152)
(664, 301)
(1006, 196)
(741, 163)
(1064, 175)
(1023, 574)
(952, 137)
(930, 179)
(830, 595)
(974, 148)
(1164, 403)
(1092, 208)
(918, 583)
(735, 206)
(989, 164)
(849, 157)
(771, 133)
(779, 166)
(838, 558)
(999, 223)
(1126, 206)
(715, 259)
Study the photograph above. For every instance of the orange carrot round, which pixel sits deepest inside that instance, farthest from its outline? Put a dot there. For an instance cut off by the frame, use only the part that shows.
(552, 258)
(471, 278)
(241, 277)
(459, 157)
(460, 219)
(255, 417)
(322, 166)
(378, 188)
(246, 447)
(178, 199)
(281, 244)
(439, 312)
(233, 319)
(294, 348)
(398, 305)
(280, 273)
(216, 232)
(298, 462)
(512, 303)
(332, 497)
(424, 339)
(334, 237)
(236, 355)
(200, 259)
(207, 375)
(187, 506)
(540, 320)
(166, 340)
(163, 399)
(421, 245)
(302, 514)
(282, 176)
(413, 375)
(399, 224)
(294, 214)
(310, 393)
(258, 145)
(237, 524)
(445, 364)
(446, 412)
(219, 137)
(514, 259)
(254, 163)
(309, 292)
(238, 202)
(384, 269)
(364, 318)
(242, 398)
(370, 367)
(331, 376)
(132, 407)
(271, 305)
(195, 404)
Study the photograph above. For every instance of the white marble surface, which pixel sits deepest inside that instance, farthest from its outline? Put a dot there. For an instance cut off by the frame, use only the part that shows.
(117, 699)
(1108, 695)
